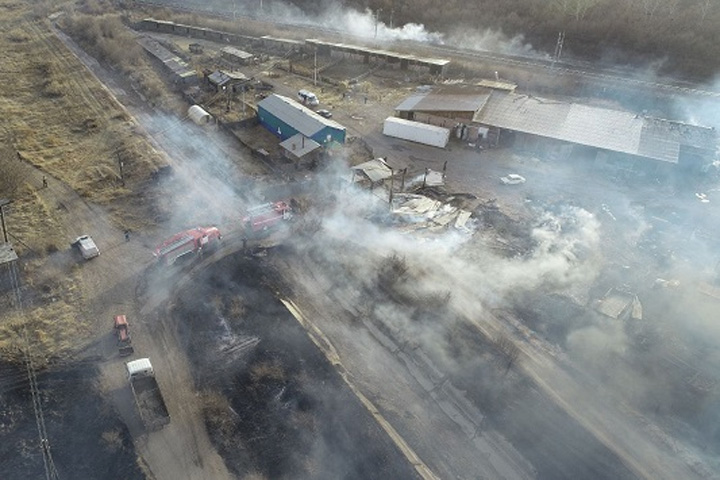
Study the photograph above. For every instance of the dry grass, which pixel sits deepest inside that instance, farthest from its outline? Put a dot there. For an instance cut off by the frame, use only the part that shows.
(267, 371)
(217, 411)
(112, 440)
(62, 120)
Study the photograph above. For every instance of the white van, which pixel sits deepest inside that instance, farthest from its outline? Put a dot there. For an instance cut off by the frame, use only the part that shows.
(86, 246)
(308, 98)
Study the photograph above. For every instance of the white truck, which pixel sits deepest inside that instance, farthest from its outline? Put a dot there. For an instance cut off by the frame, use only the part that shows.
(416, 132)
(146, 391)
(86, 246)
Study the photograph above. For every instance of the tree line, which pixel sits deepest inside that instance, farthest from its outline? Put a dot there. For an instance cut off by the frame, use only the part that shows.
(678, 37)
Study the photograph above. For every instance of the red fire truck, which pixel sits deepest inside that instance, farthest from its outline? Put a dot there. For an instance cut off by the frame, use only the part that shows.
(124, 342)
(266, 216)
(188, 242)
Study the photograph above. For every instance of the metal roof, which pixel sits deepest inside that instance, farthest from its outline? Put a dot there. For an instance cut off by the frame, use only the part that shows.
(7, 253)
(438, 101)
(218, 78)
(297, 116)
(440, 62)
(172, 61)
(236, 52)
(598, 127)
(375, 170)
(299, 145)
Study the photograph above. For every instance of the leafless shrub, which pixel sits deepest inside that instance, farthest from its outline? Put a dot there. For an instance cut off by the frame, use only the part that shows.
(392, 271)
(218, 414)
(12, 172)
(508, 351)
(237, 307)
(435, 300)
(106, 38)
(113, 440)
(267, 371)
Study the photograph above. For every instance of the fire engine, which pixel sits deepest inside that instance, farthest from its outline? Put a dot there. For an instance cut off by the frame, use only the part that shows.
(188, 242)
(124, 342)
(263, 217)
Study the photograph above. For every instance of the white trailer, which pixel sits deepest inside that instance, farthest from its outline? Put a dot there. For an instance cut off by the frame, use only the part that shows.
(416, 132)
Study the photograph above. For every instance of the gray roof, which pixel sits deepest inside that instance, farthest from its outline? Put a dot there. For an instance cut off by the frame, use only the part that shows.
(299, 145)
(598, 127)
(297, 116)
(172, 61)
(218, 78)
(443, 102)
(375, 170)
(236, 52)
(441, 62)
(7, 253)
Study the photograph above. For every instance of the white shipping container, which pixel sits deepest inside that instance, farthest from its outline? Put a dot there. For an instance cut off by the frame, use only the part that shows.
(416, 132)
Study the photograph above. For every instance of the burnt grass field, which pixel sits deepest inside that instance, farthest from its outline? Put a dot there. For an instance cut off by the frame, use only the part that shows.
(87, 438)
(273, 404)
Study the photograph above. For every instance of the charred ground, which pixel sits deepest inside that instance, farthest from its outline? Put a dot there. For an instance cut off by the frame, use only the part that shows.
(274, 404)
(99, 445)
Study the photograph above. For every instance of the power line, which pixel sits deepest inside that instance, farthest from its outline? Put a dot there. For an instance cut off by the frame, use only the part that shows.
(51, 472)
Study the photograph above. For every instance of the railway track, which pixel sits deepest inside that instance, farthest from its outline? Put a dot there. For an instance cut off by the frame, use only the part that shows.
(599, 74)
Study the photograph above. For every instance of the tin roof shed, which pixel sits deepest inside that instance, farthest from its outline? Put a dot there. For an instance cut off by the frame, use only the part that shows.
(599, 127)
(286, 117)
(298, 146)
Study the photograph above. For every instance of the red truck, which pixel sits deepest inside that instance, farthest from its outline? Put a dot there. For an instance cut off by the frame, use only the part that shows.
(263, 217)
(188, 242)
(124, 342)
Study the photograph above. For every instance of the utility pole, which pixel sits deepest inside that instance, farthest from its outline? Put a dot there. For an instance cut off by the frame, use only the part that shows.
(243, 101)
(392, 186)
(4, 202)
(377, 15)
(558, 48)
(121, 164)
(315, 67)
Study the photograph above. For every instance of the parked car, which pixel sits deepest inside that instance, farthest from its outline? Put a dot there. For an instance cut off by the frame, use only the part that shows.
(324, 113)
(512, 179)
(86, 246)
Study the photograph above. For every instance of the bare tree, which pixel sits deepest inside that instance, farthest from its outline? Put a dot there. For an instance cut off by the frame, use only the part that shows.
(576, 9)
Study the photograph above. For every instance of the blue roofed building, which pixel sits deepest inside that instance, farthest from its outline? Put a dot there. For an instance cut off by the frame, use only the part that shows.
(285, 118)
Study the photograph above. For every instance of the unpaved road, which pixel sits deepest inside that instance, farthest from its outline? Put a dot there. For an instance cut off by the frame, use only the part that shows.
(424, 421)
(110, 285)
(397, 389)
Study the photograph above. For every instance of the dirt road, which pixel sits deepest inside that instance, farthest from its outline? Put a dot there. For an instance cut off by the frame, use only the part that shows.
(109, 287)
(410, 402)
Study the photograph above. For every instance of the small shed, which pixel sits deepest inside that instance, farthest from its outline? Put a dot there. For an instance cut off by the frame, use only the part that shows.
(198, 115)
(235, 55)
(620, 304)
(221, 79)
(373, 171)
(300, 148)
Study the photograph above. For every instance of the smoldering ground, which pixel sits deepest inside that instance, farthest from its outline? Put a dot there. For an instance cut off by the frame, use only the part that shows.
(438, 282)
(288, 413)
